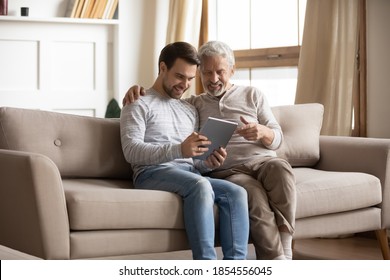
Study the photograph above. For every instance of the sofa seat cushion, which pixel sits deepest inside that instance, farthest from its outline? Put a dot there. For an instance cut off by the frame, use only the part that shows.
(95, 204)
(325, 192)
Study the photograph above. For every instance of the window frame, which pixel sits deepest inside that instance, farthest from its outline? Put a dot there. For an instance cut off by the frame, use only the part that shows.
(267, 57)
(288, 56)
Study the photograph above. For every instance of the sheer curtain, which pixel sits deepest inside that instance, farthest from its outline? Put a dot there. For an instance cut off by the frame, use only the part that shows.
(327, 64)
(184, 25)
(184, 21)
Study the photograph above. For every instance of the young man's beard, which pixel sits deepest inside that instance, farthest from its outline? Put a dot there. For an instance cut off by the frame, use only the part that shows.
(171, 92)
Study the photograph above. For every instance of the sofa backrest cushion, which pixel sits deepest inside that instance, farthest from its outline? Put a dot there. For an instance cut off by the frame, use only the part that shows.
(301, 125)
(79, 146)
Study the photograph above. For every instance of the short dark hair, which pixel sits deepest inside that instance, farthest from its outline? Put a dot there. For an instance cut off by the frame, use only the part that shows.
(176, 50)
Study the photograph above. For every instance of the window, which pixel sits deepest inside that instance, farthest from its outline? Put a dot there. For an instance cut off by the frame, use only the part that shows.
(266, 37)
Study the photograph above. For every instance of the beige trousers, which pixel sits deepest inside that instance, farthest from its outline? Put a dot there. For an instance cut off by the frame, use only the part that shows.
(270, 184)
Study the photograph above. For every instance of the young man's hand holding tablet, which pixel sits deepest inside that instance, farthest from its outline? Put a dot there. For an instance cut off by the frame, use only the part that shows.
(217, 131)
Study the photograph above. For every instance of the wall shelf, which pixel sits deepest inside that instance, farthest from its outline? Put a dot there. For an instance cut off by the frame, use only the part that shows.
(60, 20)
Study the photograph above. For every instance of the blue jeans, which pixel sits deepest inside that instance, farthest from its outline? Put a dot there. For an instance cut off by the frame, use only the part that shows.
(199, 195)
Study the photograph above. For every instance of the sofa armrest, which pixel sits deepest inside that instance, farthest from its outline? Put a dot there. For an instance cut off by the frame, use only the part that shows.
(356, 154)
(33, 215)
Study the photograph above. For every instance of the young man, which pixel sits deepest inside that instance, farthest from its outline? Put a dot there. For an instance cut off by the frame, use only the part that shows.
(252, 161)
(159, 141)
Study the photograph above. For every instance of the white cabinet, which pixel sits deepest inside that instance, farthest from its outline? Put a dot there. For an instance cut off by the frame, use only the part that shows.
(58, 64)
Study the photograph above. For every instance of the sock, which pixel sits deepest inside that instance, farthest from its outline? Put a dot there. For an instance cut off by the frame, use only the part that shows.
(286, 239)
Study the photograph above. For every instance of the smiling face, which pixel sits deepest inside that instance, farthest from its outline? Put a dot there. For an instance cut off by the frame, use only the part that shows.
(215, 74)
(177, 79)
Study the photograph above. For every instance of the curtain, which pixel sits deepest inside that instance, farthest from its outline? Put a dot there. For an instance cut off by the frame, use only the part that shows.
(327, 64)
(184, 25)
(184, 21)
(203, 38)
(360, 85)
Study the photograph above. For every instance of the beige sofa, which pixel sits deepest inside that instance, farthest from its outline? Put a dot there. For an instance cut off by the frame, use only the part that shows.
(11, 254)
(66, 191)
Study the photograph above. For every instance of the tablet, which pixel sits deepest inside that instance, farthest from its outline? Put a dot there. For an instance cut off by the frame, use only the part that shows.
(219, 132)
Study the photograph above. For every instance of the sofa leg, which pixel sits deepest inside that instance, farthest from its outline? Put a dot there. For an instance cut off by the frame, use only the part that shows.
(381, 237)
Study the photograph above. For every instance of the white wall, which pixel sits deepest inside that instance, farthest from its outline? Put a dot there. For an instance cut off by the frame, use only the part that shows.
(378, 68)
(142, 34)
(38, 8)
(52, 63)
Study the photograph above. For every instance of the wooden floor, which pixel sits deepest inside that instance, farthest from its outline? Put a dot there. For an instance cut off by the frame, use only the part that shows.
(352, 248)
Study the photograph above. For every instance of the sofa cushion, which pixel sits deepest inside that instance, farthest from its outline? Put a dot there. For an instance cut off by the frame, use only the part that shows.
(301, 126)
(325, 192)
(79, 146)
(113, 204)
